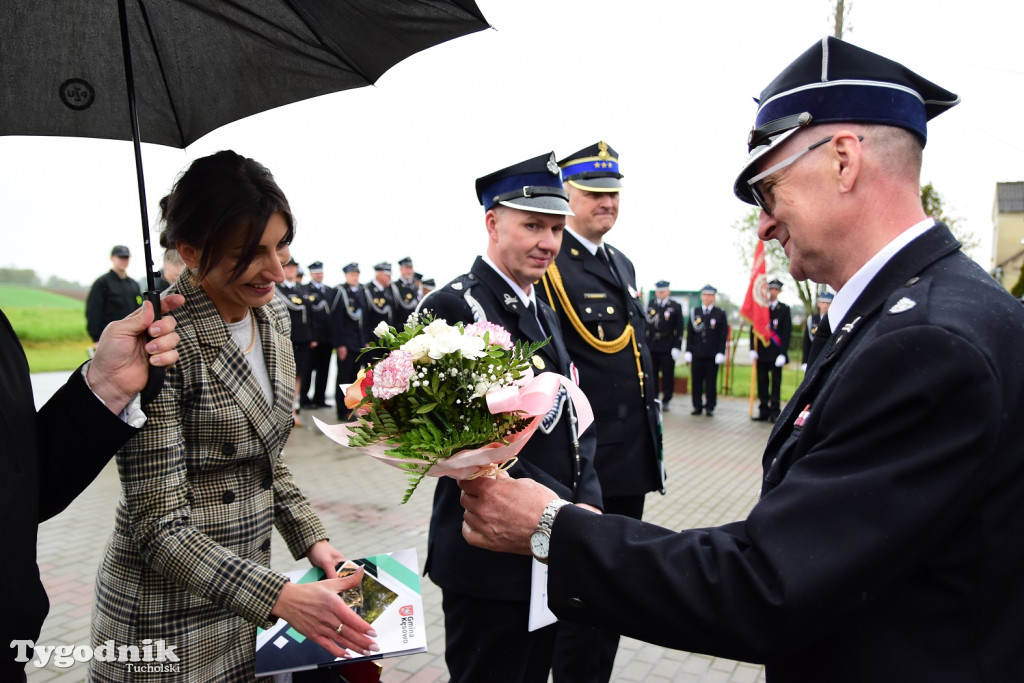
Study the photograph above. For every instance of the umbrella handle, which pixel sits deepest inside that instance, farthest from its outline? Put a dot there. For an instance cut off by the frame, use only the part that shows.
(156, 375)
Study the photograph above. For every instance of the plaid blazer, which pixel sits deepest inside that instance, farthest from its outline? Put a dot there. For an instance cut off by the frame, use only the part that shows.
(201, 486)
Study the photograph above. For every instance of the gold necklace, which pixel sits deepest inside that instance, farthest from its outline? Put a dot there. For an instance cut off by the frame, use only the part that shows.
(252, 342)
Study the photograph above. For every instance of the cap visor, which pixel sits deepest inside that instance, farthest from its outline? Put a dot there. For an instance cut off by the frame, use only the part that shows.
(554, 205)
(597, 184)
(740, 187)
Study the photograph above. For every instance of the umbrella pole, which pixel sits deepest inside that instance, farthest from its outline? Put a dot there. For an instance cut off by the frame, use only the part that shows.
(156, 375)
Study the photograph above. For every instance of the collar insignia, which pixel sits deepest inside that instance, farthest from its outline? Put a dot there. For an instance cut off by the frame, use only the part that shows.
(902, 305)
(457, 286)
(511, 299)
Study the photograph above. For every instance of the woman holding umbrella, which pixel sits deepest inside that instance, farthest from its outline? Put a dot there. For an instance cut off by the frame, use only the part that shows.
(203, 482)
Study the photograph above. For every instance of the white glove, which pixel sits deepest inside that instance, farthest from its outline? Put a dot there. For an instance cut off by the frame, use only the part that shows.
(675, 355)
(803, 367)
(719, 358)
(753, 355)
(688, 357)
(780, 361)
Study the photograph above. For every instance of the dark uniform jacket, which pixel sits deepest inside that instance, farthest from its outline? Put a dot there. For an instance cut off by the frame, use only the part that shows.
(595, 310)
(48, 458)
(809, 331)
(549, 458)
(887, 544)
(381, 306)
(665, 325)
(706, 334)
(348, 310)
(111, 298)
(780, 329)
(408, 296)
(296, 300)
(319, 298)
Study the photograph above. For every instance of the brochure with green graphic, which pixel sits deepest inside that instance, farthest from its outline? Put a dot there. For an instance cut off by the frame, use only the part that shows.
(388, 598)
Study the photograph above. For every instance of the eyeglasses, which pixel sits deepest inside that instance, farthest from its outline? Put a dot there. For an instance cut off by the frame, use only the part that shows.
(760, 195)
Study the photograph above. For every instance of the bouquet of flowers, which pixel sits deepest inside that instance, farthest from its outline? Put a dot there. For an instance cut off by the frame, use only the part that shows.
(447, 400)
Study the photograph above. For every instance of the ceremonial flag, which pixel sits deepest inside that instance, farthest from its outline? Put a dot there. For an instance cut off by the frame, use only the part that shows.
(755, 305)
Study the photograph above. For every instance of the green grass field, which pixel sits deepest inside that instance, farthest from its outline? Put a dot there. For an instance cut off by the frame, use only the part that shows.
(739, 380)
(51, 327)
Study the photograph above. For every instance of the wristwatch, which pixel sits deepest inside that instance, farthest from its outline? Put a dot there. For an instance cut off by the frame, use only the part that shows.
(540, 540)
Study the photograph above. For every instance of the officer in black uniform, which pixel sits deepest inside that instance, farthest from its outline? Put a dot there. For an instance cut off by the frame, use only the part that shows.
(592, 287)
(113, 296)
(486, 596)
(706, 334)
(294, 297)
(320, 349)
(427, 285)
(770, 351)
(381, 301)
(823, 301)
(406, 286)
(348, 309)
(665, 326)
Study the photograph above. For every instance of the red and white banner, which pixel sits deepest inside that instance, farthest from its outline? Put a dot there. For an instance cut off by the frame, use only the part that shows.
(755, 304)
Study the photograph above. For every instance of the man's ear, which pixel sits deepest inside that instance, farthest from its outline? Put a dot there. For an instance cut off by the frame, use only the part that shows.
(848, 150)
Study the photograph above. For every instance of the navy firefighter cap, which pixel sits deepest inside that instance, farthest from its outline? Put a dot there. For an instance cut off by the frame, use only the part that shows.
(835, 81)
(531, 185)
(594, 168)
(351, 267)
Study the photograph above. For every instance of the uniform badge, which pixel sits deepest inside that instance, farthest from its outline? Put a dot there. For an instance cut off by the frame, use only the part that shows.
(553, 165)
(296, 300)
(610, 310)
(574, 251)
(538, 362)
(550, 419)
(457, 286)
(902, 305)
(588, 310)
(511, 299)
(632, 292)
(713, 321)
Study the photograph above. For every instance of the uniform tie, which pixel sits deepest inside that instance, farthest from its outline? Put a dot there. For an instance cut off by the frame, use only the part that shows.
(821, 336)
(603, 258)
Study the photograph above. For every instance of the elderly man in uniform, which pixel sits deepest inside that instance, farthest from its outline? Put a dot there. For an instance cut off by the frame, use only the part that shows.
(381, 302)
(319, 295)
(769, 351)
(113, 296)
(406, 285)
(665, 329)
(592, 287)
(707, 331)
(486, 595)
(348, 310)
(886, 542)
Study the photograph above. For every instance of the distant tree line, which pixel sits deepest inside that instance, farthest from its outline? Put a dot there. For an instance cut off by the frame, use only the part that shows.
(29, 278)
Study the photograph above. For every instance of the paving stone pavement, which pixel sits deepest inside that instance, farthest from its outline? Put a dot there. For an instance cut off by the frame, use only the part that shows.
(714, 475)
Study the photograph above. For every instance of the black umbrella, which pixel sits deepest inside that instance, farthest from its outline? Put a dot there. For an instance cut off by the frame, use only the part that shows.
(171, 71)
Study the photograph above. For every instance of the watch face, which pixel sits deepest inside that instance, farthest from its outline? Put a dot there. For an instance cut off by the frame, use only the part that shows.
(539, 544)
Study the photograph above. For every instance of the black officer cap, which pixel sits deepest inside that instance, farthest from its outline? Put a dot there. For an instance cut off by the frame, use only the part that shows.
(775, 284)
(120, 250)
(835, 81)
(661, 284)
(316, 267)
(708, 289)
(290, 262)
(594, 168)
(405, 262)
(531, 185)
(383, 266)
(429, 282)
(351, 267)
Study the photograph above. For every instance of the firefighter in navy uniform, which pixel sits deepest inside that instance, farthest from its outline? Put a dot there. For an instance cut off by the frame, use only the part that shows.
(592, 287)
(769, 350)
(320, 352)
(381, 302)
(707, 332)
(485, 595)
(823, 302)
(665, 327)
(294, 297)
(348, 311)
(407, 287)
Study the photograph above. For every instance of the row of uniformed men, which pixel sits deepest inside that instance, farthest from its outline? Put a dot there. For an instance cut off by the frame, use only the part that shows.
(340, 320)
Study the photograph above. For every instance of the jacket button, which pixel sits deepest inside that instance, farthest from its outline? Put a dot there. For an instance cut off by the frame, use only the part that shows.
(228, 449)
(577, 602)
(228, 497)
(265, 546)
(267, 482)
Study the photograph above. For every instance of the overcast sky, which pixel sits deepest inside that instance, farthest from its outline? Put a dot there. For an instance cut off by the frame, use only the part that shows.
(388, 171)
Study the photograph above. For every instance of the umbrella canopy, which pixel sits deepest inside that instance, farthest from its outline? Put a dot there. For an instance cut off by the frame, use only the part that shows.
(200, 64)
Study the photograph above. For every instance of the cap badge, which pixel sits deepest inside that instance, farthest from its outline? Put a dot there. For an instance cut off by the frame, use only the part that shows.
(902, 305)
(602, 150)
(553, 165)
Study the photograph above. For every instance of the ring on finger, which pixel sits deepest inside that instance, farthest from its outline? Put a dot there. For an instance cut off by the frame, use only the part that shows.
(340, 627)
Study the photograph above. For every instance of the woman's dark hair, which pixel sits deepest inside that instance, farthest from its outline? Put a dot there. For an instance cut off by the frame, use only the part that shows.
(214, 199)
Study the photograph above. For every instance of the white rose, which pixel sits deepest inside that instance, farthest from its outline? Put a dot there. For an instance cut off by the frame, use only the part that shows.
(471, 347)
(381, 329)
(418, 347)
(442, 345)
(438, 328)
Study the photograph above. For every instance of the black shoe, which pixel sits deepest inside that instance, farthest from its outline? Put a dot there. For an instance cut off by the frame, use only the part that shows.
(306, 403)
(664, 407)
(710, 412)
(760, 418)
(696, 411)
(323, 404)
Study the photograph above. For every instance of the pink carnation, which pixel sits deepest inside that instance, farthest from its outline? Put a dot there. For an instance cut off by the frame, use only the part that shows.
(499, 336)
(392, 375)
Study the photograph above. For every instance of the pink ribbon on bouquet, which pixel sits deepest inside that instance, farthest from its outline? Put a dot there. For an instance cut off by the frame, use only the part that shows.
(534, 399)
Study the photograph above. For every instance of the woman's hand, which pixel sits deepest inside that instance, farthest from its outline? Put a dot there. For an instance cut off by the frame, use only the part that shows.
(322, 554)
(316, 611)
